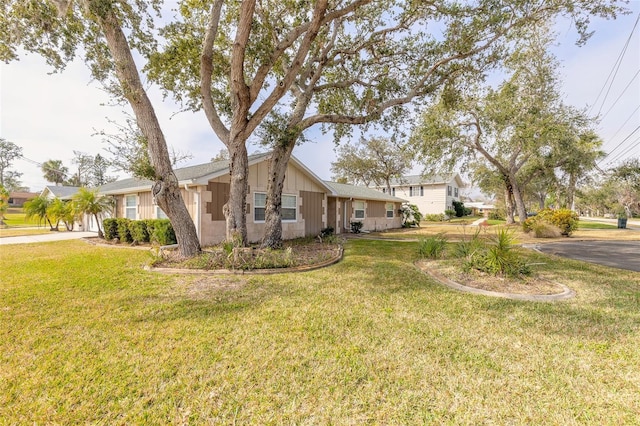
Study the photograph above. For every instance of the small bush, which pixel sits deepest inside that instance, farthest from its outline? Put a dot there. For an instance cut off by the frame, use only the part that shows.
(110, 228)
(411, 215)
(545, 230)
(458, 206)
(124, 235)
(138, 231)
(497, 215)
(356, 227)
(163, 233)
(434, 217)
(326, 232)
(433, 247)
(449, 213)
(564, 219)
(468, 248)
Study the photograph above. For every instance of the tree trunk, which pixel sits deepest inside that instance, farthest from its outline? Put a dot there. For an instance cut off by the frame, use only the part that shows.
(517, 197)
(571, 190)
(235, 209)
(165, 190)
(508, 203)
(100, 234)
(275, 181)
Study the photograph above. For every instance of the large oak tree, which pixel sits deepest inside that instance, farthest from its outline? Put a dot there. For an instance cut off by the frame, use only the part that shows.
(105, 32)
(289, 65)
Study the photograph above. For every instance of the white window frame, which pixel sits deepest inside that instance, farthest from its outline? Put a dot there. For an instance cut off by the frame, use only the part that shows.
(293, 208)
(449, 190)
(133, 208)
(356, 210)
(257, 206)
(393, 192)
(390, 208)
(455, 192)
(160, 214)
(422, 191)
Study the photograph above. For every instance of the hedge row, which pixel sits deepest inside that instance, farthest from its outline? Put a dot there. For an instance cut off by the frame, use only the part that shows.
(157, 231)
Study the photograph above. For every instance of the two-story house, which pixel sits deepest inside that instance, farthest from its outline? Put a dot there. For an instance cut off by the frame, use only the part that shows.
(432, 195)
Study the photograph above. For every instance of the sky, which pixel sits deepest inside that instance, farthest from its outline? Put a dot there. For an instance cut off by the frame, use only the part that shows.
(51, 115)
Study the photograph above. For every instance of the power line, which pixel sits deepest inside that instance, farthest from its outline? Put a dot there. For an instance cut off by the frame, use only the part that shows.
(625, 122)
(623, 91)
(626, 151)
(614, 69)
(620, 144)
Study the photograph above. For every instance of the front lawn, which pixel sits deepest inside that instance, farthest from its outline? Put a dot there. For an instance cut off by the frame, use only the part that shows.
(88, 336)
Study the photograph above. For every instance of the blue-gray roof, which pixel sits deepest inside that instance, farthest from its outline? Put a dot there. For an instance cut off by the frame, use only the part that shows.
(62, 192)
(344, 190)
(185, 174)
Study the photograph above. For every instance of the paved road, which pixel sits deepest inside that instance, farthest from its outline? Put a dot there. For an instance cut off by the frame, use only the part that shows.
(44, 238)
(616, 254)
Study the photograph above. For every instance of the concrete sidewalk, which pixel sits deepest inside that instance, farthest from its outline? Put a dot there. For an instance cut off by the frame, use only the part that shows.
(45, 238)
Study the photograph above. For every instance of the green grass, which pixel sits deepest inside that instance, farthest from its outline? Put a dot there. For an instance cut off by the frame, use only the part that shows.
(15, 217)
(88, 336)
(595, 225)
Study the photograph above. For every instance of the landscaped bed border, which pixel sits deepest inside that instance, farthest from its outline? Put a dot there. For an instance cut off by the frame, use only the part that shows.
(270, 271)
(566, 294)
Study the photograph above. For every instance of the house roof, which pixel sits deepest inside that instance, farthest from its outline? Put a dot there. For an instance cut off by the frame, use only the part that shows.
(344, 190)
(198, 174)
(23, 194)
(62, 192)
(424, 180)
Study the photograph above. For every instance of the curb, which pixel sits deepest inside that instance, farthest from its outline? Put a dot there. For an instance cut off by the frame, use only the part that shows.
(566, 294)
(272, 271)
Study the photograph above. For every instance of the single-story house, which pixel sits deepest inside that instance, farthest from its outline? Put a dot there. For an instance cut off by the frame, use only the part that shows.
(18, 198)
(432, 195)
(309, 204)
(479, 208)
(61, 192)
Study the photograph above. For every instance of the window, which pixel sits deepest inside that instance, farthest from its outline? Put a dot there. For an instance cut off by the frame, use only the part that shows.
(289, 208)
(131, 207)
(389, 208)
(358, 209)
(422, 191)
(455, 192)
(449, 190)
(415, 191)
(259, 204)
(160, 213)
(411, 194)
(384, 190)
(393, 192)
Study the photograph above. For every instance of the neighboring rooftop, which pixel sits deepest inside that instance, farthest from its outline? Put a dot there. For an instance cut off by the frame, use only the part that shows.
(61, 192)
(422, 180)
(350, 191)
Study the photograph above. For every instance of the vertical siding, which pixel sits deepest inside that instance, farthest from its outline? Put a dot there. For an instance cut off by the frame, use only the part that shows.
(311, 212)
(332, 213)
(376, 209)
(219, 196)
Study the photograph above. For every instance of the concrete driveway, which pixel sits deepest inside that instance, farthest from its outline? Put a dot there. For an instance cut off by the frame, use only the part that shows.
(45, 238)
(616, 254)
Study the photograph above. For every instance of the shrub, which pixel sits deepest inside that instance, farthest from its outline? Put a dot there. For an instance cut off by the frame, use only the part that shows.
(468, 248)
(411, 215)
(433, 247)
(497, 214)
(434, 217)
(564, 219)
(138, 231)
(110, 228)
(356, 227)
(496, 257)
(458, 206)
(124, 235)
(163, 233)
(326, 232)
(449, 213)
(545, 230)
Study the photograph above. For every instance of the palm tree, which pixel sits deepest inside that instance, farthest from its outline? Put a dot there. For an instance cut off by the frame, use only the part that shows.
(37, 207)
(54, 171)
(90, 202)
(63, 211)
